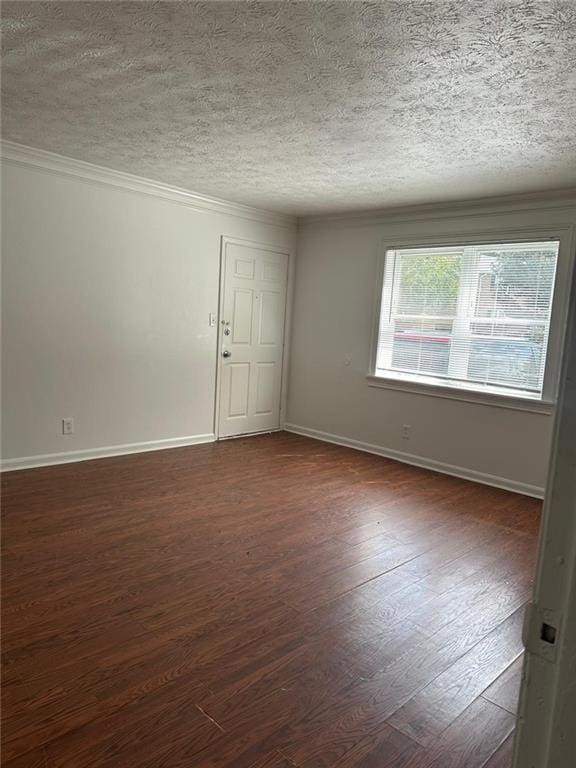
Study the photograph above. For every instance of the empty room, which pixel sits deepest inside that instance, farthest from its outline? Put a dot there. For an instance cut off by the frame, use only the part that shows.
(288, 384)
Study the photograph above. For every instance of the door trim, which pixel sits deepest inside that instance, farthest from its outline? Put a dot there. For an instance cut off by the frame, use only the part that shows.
(225, 241)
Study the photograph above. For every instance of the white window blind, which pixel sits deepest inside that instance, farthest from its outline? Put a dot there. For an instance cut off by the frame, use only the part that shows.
(472, 316)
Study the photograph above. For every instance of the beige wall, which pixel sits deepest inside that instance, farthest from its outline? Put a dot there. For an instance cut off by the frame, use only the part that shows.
(106, 301)
(336, 275)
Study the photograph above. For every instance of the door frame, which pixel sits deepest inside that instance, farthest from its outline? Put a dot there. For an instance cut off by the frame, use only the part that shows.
(545, 735)
(225, 241)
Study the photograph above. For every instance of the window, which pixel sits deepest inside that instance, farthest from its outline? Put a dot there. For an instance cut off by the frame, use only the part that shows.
(473, 317)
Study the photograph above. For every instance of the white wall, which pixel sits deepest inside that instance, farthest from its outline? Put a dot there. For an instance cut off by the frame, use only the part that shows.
(106, 300)
(336, 274)
(106, 297)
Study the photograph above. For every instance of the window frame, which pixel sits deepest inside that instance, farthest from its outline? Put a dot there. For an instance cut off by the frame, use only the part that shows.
(419, 384)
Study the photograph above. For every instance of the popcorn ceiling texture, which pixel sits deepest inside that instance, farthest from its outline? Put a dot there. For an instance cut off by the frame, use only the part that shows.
(302, 107)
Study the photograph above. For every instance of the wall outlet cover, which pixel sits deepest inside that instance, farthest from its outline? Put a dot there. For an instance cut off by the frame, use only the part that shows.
(68, 426)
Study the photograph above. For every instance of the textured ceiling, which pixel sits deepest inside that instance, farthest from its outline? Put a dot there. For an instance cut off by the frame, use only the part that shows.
(302, 107)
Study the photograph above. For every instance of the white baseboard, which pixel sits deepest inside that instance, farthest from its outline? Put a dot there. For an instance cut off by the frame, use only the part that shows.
(420, 461)
(49, 459)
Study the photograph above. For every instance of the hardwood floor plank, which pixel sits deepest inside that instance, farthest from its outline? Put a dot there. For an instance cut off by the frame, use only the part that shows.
(471, 739)
(267, 602)
(273, 760)
(505, 690)
(435, 707)
(383, 747)
(323, 732)
(314, 593)
(35, 759)
(502, 758)
(140, 734)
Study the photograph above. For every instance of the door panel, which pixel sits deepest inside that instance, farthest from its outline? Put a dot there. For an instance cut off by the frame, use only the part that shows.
(239, 377)
(271, 320)
(265, 387)
(253, 308)
(244, 268)
(271, 272)
(242, 310)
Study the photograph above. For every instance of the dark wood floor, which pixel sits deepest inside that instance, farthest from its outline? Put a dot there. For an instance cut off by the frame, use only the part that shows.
(261, 603)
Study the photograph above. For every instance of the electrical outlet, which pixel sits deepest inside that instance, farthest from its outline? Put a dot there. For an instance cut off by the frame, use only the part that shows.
(68, 426)
(406, 430)
(347, 360)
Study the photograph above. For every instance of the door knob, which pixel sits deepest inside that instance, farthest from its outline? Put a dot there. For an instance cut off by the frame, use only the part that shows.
(226, 353)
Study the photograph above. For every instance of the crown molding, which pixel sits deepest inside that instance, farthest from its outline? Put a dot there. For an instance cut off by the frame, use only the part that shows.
(554, 199)
(50, 162)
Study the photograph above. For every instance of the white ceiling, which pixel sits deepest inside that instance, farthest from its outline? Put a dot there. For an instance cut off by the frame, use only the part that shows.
(302, 107)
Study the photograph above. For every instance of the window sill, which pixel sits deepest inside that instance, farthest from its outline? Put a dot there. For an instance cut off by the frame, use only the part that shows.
(432, 389)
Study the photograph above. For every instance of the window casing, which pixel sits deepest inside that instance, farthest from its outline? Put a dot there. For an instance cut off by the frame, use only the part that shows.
(472, 317)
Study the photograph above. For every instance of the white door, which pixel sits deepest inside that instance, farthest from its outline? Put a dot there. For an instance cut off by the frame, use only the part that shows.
(253, 308)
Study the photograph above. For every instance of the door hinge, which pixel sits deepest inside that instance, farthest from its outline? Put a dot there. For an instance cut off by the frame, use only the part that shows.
(541, 631)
